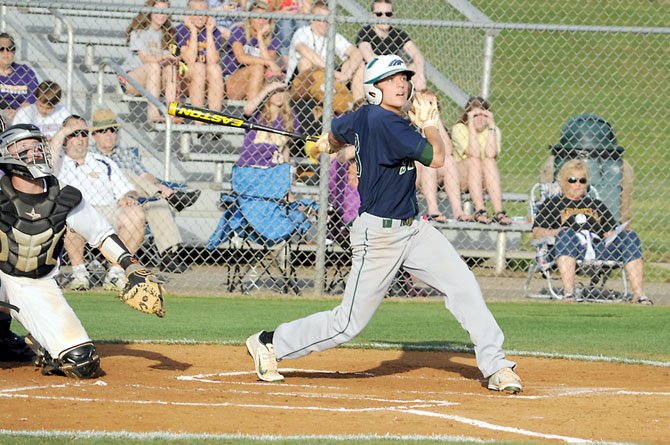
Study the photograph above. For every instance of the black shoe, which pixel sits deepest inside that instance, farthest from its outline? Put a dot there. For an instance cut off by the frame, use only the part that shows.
(171, 262)
(13, 348)
(179, 200)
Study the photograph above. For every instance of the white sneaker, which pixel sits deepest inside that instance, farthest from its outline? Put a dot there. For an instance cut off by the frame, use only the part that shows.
(81, 280)
(265, 361)
(115, 280)
(505, 380)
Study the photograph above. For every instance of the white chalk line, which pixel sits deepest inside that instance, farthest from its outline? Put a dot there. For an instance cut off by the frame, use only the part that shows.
(414, 407)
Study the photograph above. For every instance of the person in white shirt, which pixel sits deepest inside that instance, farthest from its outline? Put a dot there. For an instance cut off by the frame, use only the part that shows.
(307, 55)
(105, 187)
(47, 113)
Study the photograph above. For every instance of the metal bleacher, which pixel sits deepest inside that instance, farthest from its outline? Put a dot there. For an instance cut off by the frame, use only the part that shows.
(43, 35)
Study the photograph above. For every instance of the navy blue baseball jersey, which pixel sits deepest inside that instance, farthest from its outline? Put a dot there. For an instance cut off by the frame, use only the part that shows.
(386, 147)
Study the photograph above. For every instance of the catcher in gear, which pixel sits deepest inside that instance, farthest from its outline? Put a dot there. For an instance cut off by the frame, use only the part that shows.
(35, 212)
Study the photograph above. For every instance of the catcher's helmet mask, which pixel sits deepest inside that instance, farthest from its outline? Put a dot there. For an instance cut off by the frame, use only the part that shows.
(34, 161)
(380, 68)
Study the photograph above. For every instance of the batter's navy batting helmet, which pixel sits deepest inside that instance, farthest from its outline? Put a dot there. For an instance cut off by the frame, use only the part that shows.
(31, 161)
(380, 68)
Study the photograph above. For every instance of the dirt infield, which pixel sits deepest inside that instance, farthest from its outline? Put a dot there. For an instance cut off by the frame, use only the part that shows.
(210, 389)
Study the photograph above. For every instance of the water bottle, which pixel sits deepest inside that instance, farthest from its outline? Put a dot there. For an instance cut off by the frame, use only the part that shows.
(542, 257)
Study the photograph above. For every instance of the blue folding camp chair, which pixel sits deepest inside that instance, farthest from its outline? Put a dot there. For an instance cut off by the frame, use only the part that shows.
(259, 222)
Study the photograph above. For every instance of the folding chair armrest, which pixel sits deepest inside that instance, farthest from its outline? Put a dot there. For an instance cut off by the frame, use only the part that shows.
(545, 240)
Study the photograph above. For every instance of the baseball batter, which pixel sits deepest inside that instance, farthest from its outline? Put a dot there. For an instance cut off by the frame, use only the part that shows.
(387, 234)
(35, 211)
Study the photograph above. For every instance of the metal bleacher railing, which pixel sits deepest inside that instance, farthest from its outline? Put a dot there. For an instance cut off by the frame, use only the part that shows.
(536, 72)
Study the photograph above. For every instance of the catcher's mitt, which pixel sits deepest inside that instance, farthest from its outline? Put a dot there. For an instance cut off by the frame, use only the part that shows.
(424, 112)
(144, 292)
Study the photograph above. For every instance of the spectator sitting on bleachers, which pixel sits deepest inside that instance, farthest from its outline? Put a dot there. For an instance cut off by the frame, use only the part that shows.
(157, 197)
(17, 81)
(224, 24)
(380, 39)
(476, 146)
(250, 54)
(270, 107)
(104, 186)
(581, 224)
(285, 28)
(47, 113)
(200, 43)
(429, 179)
(307, 62)
(150, 62)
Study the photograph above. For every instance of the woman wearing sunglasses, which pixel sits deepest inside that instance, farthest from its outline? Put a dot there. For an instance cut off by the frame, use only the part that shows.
(382, 38)
(477, 143)
(18, 82)
(581, 225)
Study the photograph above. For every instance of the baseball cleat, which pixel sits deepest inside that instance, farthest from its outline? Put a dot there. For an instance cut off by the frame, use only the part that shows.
(265, 361)
(505, 380)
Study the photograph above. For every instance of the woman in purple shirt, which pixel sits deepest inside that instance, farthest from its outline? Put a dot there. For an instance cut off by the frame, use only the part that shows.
(270, 107)
(17, 82)
(250, 54)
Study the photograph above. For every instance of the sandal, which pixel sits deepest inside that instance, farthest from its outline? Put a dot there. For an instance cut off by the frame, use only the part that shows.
(644, 301)
(436, 217)
(502, 218)
(464, 217)
(482, 217)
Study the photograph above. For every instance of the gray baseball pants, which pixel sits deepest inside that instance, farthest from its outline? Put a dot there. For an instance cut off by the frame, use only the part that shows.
(380, 246)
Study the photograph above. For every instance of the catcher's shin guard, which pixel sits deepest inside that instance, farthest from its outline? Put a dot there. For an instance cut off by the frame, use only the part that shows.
(80, 362)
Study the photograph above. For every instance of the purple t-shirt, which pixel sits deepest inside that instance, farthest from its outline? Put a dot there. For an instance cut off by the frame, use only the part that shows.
(18, 87)
(183, 34)
(263, 149)
(229, 62)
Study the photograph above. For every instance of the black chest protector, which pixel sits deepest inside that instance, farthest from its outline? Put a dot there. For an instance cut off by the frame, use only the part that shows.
(31, 233)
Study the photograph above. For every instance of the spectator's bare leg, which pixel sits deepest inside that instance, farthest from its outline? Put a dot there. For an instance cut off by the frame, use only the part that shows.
(427, 183)
(148, 75)
(256, 79)
(492, 183)
(197, 82)
(74, 245)
(635, 271)
(130, 227)
(215, 87)
(237, 84)
(475, 175)
(566, 269)
(451, 185)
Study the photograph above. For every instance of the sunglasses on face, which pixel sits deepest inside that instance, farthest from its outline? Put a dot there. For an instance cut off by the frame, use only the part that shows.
(78, 133)
(106, 130)
(574, 180)
(379, 14)
(9, 49)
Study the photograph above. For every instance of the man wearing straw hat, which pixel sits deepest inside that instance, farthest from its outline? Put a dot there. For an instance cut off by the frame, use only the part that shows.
(156, 197)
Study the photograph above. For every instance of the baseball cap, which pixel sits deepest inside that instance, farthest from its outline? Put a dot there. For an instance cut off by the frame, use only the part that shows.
(104, 118)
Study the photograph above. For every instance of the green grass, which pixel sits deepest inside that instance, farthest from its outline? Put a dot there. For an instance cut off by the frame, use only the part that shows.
(617, 330)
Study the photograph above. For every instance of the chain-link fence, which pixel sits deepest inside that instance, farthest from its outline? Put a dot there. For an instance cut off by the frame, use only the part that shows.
(539, 65)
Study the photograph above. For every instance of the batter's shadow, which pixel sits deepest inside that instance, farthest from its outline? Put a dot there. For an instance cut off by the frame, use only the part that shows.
(443, 356)
(163, 362)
